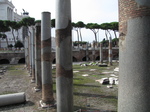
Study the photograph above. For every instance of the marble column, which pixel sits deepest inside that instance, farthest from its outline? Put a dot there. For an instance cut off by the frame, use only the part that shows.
(101, 52)
(110, 52)
(87, 52)
(93, 52)
(134, 56)
(46, 64)
(33, 53)
(29, 56)
(38, 57)
(26, 52)
(64, 72)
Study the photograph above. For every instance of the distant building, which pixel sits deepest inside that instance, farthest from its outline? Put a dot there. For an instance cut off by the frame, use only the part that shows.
(8, 12)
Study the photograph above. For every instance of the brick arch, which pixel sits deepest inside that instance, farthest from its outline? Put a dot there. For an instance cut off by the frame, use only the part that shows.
(4, 61)
(97, 58)
(21, 61)
(84, 58)
(74, 59)
(54, 61)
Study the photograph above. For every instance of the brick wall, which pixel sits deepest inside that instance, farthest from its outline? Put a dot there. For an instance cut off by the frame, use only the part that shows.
(129, 9)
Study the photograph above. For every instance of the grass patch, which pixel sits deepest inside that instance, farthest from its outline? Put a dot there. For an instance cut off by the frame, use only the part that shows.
(86, 88)
(7, 92)
(16, 70)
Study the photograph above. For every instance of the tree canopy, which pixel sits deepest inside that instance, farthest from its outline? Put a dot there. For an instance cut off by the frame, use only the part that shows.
(6, 25)
(95, 28)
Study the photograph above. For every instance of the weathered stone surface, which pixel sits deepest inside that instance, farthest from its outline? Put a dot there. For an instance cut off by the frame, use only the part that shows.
(46, 65)
(134, 53)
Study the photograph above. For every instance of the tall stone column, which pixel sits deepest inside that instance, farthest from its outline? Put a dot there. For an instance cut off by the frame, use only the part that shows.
(134, 52)
(33, 54)
(46, 64)
(110, 52)
(29, 55)
(93, 52)
(38, 57)
(87, 52)
(26, 51)
(101, 52)
(64, 72)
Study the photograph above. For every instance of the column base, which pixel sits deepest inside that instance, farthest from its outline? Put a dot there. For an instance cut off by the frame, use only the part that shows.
(44, 105)
(36, 89)
(30, 75)
(110, 64)
(32, 81)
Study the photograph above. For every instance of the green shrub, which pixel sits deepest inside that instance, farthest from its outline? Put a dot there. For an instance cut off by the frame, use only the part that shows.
(18, 44)
(10, 46)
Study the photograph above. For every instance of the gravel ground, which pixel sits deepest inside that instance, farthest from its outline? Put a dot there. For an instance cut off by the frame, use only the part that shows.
(18, 80)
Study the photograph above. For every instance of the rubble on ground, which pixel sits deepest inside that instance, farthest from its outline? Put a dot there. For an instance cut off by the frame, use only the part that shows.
(110, 81)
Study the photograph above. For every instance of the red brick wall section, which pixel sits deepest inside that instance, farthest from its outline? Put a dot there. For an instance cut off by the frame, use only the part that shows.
(130, 9)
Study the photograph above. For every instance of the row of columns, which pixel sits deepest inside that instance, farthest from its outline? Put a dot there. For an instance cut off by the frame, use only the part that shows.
(38, 59)
(134, 53)
(39, 62)
(101, 53)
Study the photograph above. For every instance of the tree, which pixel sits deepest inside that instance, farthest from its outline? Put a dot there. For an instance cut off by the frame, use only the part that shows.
(10, 46)
(13, 25)
(4, 28)
(16, 26)
(53, 23)
(74, 26)
(80, 25)
(114, 27)
(105, 43)
(27, 22)
(18, 44)
(106, 27)
(37, 21)
(94, 27)
(77, 27)
(115, 42)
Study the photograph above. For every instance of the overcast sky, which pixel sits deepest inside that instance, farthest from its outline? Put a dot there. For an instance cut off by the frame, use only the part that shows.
(88, 11)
